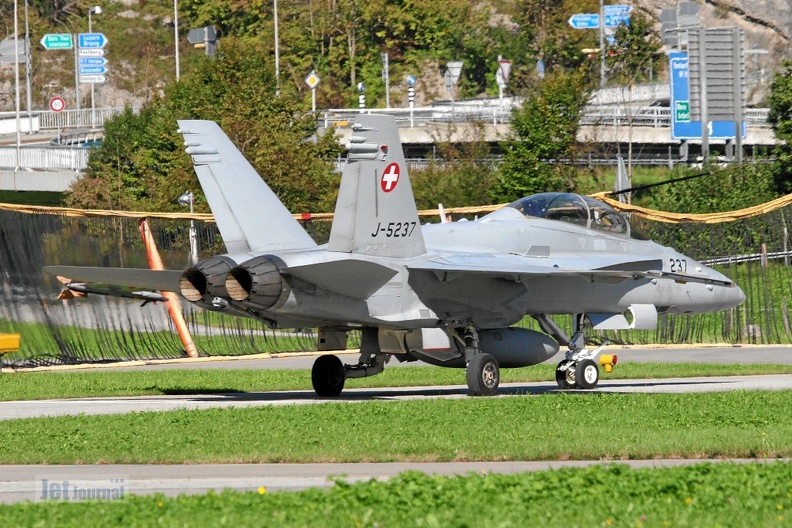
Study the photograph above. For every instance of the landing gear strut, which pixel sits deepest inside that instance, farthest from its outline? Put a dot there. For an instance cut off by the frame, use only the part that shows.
(482, 371)
(578, 369)
(329, 374)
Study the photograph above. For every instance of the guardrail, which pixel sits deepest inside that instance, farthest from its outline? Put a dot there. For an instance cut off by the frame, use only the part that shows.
(492, 112)
(84, 118)
(46, 158)
(647, 116)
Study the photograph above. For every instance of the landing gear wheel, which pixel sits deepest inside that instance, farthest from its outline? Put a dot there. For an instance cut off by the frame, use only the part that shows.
(327, 376)
(586, 374)
(483, 375)
(565, 378)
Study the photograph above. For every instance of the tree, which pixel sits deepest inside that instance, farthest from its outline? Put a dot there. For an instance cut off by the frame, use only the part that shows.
(544, 131)
(141, 163)
(780, 117)
(635, 54)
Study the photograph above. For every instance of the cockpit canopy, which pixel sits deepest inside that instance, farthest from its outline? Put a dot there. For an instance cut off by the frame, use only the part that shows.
(576, 209)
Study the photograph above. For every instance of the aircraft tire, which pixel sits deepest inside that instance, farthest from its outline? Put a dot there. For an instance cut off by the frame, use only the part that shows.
(483, 375)
(565, 378)
(586, 374)
(327, 376)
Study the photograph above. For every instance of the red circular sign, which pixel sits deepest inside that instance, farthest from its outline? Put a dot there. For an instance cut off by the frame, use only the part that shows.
(57, 104)
(390, 177)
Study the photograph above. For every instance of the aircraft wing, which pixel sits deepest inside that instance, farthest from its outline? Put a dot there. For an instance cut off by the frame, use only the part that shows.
(120, 282)
(518, 267)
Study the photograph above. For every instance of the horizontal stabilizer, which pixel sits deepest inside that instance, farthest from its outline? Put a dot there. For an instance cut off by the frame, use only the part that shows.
(353, 278)
(118, 278)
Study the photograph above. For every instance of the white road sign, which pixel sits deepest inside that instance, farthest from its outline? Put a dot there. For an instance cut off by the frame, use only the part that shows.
(93, 79)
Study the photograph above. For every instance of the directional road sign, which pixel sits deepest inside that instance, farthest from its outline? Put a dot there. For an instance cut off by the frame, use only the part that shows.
(617, 9)
(682, 124)
(584, 21)
(53, 41)
(91, 52)
(92, 61)
(92, 70)
(616, 20)
(93, 79)
(92, 40)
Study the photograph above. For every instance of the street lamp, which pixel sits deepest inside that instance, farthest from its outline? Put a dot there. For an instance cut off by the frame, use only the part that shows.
(176, 34)
(96, 10)
(188, 199)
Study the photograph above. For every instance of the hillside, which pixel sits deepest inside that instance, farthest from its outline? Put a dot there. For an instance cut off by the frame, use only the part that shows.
(141, 62)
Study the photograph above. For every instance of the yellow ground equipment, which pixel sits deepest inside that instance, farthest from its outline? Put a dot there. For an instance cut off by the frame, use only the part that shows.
(9, 343)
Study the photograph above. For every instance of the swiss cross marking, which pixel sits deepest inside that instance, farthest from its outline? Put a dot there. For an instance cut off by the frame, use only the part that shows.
(390, 178)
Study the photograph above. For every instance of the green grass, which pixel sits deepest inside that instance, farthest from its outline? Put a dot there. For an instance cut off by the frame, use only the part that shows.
(754, 495)
(45, 385)
(549, 427)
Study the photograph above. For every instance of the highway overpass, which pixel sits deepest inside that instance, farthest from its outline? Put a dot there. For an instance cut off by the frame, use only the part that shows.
(38, 165)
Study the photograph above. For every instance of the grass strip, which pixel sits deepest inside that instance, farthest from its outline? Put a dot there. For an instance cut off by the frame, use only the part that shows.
(584, 426)
(723, 494)
(47, 385)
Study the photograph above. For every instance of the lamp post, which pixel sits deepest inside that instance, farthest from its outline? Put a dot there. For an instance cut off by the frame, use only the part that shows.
(96, 10)
(277, 45)
(176, 34)
(188, 199)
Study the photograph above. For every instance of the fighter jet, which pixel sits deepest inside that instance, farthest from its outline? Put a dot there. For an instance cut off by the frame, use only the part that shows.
(447, 293)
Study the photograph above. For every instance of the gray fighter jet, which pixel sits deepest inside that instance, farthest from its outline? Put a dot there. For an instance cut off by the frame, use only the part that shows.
(446, 293)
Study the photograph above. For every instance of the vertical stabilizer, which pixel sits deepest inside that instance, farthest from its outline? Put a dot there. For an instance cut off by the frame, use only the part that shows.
(375, 213)
(249, 215)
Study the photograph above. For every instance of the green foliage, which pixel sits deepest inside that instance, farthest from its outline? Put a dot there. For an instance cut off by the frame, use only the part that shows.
(141, 164)
(705, 494)
(636, 54)
(543, 129)
(462, 175)
(717, 190)
(781, 118)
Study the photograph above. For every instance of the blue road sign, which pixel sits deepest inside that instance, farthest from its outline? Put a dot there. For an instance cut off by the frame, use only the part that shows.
(681, 125)
(616, 20)
(92, 61)
(584, 21)
(617, 9)
(92, 70)
(92, 40)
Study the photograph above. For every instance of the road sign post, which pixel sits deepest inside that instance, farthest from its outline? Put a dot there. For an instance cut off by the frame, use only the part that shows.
(613, 16)
(92, 73)
(411, 80)
(313, 81)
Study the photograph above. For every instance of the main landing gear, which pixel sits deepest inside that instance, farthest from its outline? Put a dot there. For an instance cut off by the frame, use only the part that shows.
(329, 374)
(579, 370)
(482, 370)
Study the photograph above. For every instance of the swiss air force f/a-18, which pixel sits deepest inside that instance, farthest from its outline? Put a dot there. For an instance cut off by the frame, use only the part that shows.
(447, 293)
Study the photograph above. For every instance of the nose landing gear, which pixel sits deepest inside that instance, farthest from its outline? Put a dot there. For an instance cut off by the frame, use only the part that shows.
(579, 370)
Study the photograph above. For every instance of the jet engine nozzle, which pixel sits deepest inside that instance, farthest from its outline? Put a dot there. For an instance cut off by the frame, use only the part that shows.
(206, 280)
(258, 281)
